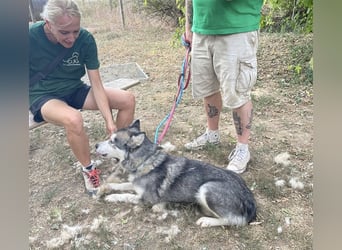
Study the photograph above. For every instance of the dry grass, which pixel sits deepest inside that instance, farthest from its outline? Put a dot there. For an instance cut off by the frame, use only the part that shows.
(283, 123)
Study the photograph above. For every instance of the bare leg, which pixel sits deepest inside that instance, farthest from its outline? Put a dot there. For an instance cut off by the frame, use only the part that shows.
(125, 114)
(243, 117)
(213, 108)
(122, 100)
(59, 113)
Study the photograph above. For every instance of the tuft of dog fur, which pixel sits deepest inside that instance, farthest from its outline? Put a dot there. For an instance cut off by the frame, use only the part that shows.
(157, 177)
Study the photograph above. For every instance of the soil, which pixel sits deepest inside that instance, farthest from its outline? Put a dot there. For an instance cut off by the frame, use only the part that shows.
(63, 216)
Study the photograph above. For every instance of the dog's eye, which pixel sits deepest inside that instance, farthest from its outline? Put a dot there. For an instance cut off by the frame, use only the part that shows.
(114, 141)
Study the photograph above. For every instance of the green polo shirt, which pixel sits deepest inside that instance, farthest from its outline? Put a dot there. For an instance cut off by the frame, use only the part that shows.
(218, 17)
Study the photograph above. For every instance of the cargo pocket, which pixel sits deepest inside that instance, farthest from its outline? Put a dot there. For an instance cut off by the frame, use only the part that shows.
(247, 74)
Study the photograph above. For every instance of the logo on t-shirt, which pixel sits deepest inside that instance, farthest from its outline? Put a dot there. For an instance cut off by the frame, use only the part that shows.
(73, 60)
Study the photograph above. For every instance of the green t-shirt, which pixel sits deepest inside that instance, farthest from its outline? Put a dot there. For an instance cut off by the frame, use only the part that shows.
(218, 17)
(66, 77)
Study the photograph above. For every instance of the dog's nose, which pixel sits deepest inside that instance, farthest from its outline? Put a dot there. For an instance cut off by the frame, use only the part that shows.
(97, 145)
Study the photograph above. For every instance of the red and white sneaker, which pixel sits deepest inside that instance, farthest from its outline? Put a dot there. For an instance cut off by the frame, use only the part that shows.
(91, 179)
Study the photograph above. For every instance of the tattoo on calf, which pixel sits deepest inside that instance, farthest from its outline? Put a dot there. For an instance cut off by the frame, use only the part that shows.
(249, 125)
(237, 123)
(212, 111)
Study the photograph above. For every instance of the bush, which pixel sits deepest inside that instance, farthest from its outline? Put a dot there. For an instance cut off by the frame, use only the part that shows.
(166, 10)
(287, 16)
(302, 63)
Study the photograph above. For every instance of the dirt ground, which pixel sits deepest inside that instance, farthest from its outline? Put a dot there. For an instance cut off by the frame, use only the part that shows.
(63, 216)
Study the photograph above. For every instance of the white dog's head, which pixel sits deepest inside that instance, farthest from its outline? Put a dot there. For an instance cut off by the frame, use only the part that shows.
(121, 143)
(110, 150)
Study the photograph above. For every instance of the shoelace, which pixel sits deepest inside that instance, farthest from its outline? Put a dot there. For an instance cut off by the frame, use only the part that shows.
(237, 153)
(93, 176)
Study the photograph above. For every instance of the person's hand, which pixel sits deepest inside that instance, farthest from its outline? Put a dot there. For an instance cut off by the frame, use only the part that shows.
(186, 39)
(111, 128)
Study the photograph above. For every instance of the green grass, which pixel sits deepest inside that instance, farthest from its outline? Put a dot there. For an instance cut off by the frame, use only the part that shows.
(49, 195)
(301, 56)
(267, 188)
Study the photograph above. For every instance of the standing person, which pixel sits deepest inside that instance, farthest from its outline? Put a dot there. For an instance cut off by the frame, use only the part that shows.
(58, 97)
(223, 35)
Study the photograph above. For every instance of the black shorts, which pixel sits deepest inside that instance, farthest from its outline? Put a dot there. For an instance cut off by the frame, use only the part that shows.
(76, 100)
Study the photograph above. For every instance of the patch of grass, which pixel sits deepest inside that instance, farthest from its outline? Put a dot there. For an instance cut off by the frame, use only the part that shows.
(301, 66)
(55, 218)
(247, 241)
(61, 154)
(216, 152)
(264, 102)
(98, 131)
(73, 212)
(105, 236)
(259, 129)
(55, 213)
(36, 135)
(49, 195)
(141, 240)
(266, 187)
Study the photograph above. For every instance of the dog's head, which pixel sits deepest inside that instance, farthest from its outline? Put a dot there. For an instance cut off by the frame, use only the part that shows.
(125, 146)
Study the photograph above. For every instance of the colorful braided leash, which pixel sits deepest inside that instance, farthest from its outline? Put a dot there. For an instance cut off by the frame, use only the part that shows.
(182, 85)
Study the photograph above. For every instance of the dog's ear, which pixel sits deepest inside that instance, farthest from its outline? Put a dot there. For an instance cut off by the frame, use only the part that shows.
(135, 125)
(136, 140)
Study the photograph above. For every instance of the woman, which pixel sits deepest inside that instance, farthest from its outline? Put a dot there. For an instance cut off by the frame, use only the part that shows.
(58, 97)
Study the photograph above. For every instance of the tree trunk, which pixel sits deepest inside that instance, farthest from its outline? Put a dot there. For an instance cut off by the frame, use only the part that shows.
(122, 13)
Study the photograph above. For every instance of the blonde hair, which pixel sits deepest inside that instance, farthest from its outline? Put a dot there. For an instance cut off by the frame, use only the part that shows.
(56, 8)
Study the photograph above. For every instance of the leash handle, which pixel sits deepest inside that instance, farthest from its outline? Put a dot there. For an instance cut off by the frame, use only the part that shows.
(185, 42)
(185, 66)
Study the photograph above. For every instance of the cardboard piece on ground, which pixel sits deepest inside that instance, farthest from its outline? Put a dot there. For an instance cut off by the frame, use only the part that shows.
(122, 83)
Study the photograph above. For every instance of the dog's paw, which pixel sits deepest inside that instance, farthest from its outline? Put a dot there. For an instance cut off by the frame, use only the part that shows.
(168, 147)
(111, 198)
(103, 189)
(209, 222)
(159, 208)
(127, 198)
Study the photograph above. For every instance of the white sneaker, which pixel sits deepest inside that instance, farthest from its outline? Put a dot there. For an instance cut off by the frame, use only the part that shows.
(239, 158)
(210, 136)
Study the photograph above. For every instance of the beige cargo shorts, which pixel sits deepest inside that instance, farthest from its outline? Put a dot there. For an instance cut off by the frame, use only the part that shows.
(225, 63)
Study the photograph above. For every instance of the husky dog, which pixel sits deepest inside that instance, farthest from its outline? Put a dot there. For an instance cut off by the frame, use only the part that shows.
(159, 178)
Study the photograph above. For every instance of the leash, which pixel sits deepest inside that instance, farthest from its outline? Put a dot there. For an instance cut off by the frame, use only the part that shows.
(183, 82)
